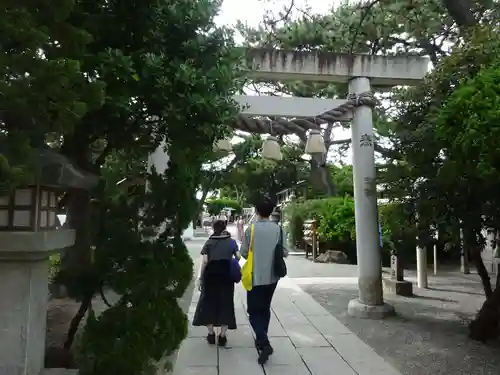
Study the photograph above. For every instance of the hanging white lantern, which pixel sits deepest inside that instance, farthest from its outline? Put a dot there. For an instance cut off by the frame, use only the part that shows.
(223, 145)
(271, 149)
(315, 143)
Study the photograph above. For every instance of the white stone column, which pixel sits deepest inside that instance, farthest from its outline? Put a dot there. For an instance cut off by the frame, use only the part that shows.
(422, 281)
(435, 257)
(370, 303)
(24, 295)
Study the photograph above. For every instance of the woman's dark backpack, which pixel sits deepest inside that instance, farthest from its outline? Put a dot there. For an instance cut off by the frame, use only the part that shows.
(279, 254)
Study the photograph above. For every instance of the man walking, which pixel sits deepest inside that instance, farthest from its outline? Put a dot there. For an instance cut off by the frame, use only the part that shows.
(266, 235)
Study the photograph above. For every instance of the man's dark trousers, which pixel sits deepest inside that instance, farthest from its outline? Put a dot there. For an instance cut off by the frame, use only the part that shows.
(259, 311)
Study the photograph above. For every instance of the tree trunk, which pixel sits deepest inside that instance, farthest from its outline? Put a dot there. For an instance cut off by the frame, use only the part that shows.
(76, 268)
(473, 248)
(482, 271)
(75, 322)
(497, 283)
(321, 179)
(76, 261)
(206, 190)
(485, 326)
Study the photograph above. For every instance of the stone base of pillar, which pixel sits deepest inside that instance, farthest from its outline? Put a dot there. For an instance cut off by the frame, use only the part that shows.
(360, 310)
(24, 294)
(400, 288)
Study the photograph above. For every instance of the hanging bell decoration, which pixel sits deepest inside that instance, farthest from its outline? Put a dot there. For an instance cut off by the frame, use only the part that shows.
(315, 143)
(223, 145)
(271, 149)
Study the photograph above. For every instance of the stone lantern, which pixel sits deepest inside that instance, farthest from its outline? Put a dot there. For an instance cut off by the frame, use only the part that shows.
(28, 236)
(31, 208)
(311, 238)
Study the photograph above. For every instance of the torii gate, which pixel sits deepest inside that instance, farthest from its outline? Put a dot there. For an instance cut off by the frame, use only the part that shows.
(360, 72)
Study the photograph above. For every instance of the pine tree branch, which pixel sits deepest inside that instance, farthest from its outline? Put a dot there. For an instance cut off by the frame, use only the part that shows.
(366, 10)
(99, 161)
(461, 12)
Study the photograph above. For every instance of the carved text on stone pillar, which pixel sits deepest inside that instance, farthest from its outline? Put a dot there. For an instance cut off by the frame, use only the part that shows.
(366, 140)
(370, 186)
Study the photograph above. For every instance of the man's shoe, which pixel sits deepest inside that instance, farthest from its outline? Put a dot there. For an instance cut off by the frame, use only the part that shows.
(264, 353)
(222, 341)
(211, 338)
(259, 346)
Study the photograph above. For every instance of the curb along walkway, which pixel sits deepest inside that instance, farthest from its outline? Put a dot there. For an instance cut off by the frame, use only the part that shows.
(306, 338)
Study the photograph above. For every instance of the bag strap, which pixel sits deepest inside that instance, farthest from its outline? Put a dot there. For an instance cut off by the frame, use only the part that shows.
(250, 247)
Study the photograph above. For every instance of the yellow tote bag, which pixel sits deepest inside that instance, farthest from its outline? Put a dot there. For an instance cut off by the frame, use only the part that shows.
(247, 269)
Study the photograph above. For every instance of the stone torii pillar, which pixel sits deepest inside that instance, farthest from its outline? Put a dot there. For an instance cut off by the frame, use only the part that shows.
(360, 72)
(370, 302)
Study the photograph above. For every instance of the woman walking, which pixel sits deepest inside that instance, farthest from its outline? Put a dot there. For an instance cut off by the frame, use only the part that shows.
(216, 281)
(240, 226)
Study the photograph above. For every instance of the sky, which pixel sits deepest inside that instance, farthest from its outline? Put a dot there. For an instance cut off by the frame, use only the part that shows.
(253, 10)
(252, 14)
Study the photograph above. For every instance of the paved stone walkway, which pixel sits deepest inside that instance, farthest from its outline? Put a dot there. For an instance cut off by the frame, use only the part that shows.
(307, 340)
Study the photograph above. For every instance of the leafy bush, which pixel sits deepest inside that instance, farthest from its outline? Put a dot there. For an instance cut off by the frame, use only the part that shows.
(337, 229)
(398, 231)
(335, 222)
(215, 206)
(54, 263)
(297, 213)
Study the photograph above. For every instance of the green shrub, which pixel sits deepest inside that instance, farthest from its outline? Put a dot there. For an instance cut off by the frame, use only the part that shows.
(398, 231)
(335, 222)
(337, 229)
(215, 206)
(298, 212)
(54, 264)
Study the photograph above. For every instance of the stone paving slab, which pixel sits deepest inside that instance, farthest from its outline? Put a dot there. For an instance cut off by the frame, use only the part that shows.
(307, 340)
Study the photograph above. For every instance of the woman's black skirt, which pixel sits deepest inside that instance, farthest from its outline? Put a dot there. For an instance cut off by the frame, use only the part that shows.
(216, 303)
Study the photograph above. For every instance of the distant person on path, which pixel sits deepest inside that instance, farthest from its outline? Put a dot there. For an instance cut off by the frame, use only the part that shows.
(216, 304)
(223, 217)
(240, 225)
(266, 236)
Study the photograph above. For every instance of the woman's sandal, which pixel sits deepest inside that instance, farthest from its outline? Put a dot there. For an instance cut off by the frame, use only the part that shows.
(222, 340)
(211, 338)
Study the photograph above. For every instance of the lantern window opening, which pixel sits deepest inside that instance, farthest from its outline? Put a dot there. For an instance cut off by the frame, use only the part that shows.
(32, 208)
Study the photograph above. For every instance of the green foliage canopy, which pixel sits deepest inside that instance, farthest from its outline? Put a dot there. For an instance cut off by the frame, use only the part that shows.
(215, 206)
(256, 176)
